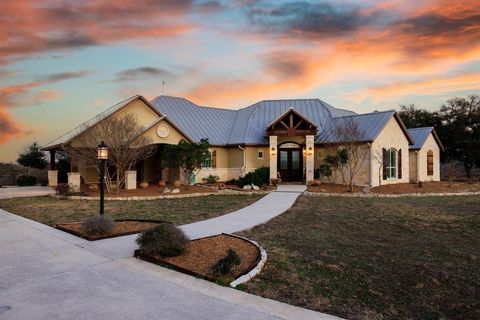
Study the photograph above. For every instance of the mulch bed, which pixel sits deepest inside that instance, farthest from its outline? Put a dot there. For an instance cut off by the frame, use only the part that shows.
(152, 190)
(427, 187)
(201, 254)
(121, 228)
(332, 188)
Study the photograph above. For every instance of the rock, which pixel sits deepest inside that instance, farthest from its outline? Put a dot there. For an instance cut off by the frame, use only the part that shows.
(175, 191)
(254, 187)
(166, 190)
(247, 187)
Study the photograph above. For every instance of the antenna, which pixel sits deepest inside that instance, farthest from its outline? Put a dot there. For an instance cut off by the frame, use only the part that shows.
(163, 85)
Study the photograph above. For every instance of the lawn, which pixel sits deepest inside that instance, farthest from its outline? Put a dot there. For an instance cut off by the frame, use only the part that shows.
(375, 258)
(51, 211)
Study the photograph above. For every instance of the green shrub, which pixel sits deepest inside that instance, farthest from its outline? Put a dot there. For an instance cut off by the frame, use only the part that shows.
(211, 178)
(97, 225)
(224, 266)
(325, 170)
(165, 240)
(259, 177)
(26, 180)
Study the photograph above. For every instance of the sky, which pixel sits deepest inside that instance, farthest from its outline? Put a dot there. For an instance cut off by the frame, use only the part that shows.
(62, 62)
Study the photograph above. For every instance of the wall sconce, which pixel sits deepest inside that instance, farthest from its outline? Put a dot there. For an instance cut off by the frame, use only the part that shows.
(304, 151)
(272, 151)
(310, 150)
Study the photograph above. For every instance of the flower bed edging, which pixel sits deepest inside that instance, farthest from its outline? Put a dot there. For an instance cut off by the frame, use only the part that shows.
(160, 197)
(388, 195)
(256, 270)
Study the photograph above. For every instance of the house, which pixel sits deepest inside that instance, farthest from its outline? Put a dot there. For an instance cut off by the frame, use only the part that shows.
(291, 137)
(424, 155)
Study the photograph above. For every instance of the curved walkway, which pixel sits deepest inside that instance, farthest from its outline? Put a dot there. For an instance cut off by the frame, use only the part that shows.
(20, 192)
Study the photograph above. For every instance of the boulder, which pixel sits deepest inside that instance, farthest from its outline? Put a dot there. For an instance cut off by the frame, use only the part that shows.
(166, 190)
(256, 188)
(175, 191)
(247, 187)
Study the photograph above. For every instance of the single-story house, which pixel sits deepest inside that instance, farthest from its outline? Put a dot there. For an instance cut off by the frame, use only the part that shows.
(291, 137)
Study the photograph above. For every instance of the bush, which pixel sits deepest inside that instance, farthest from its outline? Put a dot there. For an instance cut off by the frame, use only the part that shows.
(26, 180)
(211, 178)
(324, 171)
(97, 225)
(63, 189)
(165, 240)
(224, 266)
(259, 177)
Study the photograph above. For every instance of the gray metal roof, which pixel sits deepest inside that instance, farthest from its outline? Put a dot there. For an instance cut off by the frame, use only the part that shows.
(420, 135)
(243, 126)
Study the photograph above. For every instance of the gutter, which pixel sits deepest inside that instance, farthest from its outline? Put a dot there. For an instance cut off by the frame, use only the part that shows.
(244, 159)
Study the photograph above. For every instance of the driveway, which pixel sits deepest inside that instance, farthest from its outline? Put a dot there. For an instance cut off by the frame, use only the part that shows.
(48, 274)
(18, 192)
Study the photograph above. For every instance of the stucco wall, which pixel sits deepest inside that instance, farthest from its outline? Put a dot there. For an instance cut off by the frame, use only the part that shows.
(430, 144)
(413, 165)
(391, 136)
(253, 162)
(173, 137)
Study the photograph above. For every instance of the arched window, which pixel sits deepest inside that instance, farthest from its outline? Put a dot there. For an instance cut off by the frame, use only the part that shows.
(430, 163)
(390, 163)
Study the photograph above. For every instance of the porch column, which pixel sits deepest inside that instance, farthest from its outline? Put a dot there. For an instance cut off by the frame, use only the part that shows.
(130, 180)
(52, 160)
(309, 157)
(273, 153)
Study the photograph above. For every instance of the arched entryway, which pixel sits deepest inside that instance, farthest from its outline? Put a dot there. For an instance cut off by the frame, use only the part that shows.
(290, 162)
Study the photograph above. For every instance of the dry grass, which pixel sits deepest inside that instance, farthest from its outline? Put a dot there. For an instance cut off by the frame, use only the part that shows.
(416, 258)
(333, 188)
(430, 187)
(51, 211)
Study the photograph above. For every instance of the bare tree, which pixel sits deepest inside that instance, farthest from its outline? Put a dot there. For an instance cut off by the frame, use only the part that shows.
(352, 139)
(126, 146)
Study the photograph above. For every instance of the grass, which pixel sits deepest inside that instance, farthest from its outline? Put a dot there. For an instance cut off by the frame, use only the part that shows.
(50, 211)
(364, 258)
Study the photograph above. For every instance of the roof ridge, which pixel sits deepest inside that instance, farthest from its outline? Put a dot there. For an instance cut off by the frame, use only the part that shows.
(420, 128)
(364, 114)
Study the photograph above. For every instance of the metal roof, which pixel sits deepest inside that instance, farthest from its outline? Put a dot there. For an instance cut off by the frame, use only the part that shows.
(420, 135)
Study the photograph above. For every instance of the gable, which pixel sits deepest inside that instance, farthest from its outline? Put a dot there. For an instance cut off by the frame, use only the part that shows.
(291, 123)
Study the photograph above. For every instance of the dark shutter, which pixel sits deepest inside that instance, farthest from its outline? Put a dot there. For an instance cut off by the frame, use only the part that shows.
(214, 159)
(430, 163)
(385, 161)
(400, 164)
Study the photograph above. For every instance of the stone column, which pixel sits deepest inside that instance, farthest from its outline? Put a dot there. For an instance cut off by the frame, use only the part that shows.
(309, 157)
(130, 180)
(52, 178)
(74, 181)
(273, 154)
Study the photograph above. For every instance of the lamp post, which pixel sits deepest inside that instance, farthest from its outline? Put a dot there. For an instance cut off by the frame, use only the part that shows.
(102, 155)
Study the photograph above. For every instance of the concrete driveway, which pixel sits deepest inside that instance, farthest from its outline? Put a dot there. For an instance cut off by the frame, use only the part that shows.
(48, 274)
(18, 192)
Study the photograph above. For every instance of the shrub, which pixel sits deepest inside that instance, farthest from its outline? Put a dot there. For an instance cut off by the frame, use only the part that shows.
(97, 225)
(165, 240)
(325, 170)
(211, 178)
(224, 266)
(63, 189)
(26, 180)
(259, 177)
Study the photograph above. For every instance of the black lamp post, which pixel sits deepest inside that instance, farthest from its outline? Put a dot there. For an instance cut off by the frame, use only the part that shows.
(102, 155)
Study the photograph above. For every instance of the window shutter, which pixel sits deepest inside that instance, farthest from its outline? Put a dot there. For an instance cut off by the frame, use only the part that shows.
(385, 160)
(400, 164)
(430, 163)
(214, 158)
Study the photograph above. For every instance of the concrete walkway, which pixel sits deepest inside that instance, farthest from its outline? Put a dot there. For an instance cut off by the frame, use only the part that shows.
(19, 192)
(48, 274)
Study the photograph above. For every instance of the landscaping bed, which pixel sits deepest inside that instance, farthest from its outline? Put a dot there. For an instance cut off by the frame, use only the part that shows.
(374, 258)
(201, 254)
(120, 228)
(152, 190)
(427, 187)
(332, 188)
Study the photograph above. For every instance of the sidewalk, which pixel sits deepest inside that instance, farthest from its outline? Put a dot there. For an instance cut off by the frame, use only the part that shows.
(19, 192)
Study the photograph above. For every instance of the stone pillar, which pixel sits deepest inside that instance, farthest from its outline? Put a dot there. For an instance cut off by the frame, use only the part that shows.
(52, 178)
(74, 181)
(273, 154)
(130, 180)
(309, 157)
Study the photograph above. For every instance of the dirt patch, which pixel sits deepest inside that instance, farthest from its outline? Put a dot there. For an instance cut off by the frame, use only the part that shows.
(427, 187)
(202, 254)
(148, 192)
(332, 188)
(121, 228)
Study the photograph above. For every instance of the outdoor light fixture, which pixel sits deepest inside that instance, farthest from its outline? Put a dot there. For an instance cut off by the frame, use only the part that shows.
(273, 151)
(304, 151)
(310, 150)
(102, 155)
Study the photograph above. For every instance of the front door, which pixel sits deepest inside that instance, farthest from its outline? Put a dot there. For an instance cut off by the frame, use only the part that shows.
(290, 164)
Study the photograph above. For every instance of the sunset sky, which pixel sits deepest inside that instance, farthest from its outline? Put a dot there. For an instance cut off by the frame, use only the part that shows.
(62, 62)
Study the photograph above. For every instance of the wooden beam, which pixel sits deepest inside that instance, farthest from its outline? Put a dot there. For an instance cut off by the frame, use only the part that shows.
(283, 123)
(299, 123)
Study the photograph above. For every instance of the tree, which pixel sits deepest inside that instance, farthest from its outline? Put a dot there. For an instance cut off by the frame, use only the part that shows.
(33, 157)
(460, 130)
(126, 146)
(414, 117)
(187, 156)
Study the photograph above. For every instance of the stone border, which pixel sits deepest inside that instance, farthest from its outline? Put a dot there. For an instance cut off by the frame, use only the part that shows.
(389, 195)
(160, 197)
(257, 269)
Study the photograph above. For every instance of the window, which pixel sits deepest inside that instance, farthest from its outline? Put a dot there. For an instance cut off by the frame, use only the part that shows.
(430, 163)
(211, 161)
(389, 164)
(320, 154)
(260, 154)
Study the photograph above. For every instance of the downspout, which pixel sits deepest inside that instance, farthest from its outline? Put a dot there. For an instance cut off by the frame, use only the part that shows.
(417, 163)
(244, 159)
(370, 176)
